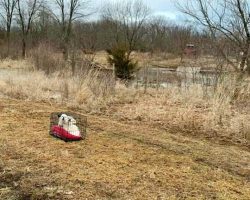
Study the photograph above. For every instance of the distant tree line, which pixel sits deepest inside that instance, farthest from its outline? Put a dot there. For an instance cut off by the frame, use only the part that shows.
(63, 24)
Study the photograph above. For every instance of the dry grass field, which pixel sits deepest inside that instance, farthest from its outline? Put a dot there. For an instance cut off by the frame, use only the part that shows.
(163, 89)
(118, 160)
(166, 144)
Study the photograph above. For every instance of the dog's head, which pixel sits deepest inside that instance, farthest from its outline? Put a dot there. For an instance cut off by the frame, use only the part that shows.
(65, 120)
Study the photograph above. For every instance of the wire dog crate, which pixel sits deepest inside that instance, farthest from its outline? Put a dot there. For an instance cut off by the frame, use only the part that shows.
(81, 122)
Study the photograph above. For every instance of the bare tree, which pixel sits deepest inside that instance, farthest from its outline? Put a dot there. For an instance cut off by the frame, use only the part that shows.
(26, 11)
(87, 36)
(167, 36)
(43, 21)
(157, 35)
(224, 19)
(67, 11)
(8, 7)
(129, 18)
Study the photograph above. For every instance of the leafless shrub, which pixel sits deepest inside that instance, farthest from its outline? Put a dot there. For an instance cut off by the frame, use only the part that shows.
(9, 51)
(44, 59)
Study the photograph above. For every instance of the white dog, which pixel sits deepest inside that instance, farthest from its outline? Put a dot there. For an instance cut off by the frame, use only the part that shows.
(69, 124)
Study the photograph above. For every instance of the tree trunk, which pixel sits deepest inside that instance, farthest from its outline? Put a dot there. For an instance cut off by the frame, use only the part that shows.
(244, 67)
(65, 52)
(65, 46)
(244, 64)
(248, 68)
(23, 47)
(238, 85)
(243, 60)
(8, 43)
(73, 62)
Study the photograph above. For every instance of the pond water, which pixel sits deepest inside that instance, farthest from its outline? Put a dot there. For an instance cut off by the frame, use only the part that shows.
(180, 76)
(154, 77)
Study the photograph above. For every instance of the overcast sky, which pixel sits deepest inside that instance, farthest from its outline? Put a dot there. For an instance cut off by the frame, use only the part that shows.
(166, 8)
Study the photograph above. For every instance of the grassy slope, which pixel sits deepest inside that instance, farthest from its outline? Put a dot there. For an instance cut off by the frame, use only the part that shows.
(116, 161)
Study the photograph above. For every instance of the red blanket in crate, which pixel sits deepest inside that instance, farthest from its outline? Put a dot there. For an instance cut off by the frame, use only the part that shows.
(61, 133)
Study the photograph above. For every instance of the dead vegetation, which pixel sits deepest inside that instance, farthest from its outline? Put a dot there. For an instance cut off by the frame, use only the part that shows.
(178, 129)
(211, 112)
(174, 143)
(116, 161)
